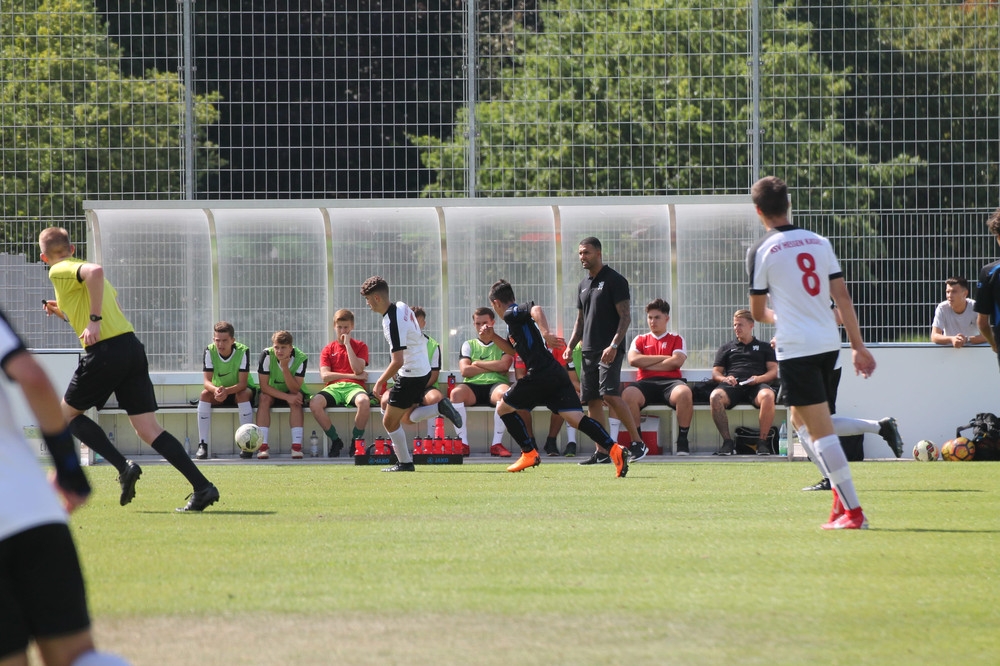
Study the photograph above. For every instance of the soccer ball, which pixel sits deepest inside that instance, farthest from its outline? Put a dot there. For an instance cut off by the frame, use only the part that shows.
(925, 450)
(959, 448)
(248, 437)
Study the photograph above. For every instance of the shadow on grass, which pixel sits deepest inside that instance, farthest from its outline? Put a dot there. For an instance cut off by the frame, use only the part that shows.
(933, 531)
(212, 512)
(923, 490)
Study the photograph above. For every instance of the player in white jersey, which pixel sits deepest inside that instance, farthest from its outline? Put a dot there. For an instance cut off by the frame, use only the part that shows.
(800, 273)
(410, 366)
(42, 594)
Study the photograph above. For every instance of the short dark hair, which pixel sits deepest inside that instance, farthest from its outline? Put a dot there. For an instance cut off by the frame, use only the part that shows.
(224, 327)
(993, 224)
(958, 280)
(375, 283)
(419, 312)
(592, 241)
(484, 311)
(658, 304)
(770, 196)
(502, 291)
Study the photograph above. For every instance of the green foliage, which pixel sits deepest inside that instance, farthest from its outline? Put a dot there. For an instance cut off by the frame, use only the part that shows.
(74, 127)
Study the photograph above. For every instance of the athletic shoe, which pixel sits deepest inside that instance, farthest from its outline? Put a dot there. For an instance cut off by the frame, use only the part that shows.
(527, 459)
(296, 451)
(824, 484)
(597, 459)
(499, 451)
(336, 446)
(264, 452)
(682, 448)
(763, 448)
(127, 479)
(619, 456)
(890, 433)
(202, 451)
(637, 451)
(447, 410)
(246, 455)
(570, 450)
(400, 467)
(551, 448)
(728, 448)
(203, 498)
(852, 520)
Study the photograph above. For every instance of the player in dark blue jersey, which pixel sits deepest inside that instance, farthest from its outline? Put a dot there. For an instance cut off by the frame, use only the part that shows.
(544, 383)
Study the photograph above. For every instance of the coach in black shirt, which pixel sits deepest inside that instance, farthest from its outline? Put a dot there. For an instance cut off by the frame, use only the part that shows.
(603, 316)
(744, 369)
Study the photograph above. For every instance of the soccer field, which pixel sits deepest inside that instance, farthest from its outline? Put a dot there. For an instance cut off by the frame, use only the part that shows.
(680, 563)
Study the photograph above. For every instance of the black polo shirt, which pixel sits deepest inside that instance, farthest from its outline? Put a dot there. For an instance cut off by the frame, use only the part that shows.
(597, 297)
(744, 360)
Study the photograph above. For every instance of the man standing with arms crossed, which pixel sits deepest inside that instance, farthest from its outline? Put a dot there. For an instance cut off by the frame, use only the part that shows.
(800, 272)
(603, 315)
(115, 362)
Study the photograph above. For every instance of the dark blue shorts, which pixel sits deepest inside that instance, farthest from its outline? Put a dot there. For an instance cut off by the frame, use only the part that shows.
(552, 388)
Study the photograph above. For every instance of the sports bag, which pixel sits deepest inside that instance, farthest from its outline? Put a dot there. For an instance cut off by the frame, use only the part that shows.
(985, 434)
(746, 440)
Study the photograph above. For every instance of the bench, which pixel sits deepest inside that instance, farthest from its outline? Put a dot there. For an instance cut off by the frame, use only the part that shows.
(176, 390)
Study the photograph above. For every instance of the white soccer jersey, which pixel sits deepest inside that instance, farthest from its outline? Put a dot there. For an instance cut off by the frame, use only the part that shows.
(794, 267)
(26, 498)
(403, 333)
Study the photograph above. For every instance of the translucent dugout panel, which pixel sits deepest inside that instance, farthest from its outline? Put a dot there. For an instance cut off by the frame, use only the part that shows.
(403, 245)
(635, 242)
(485, 244)
(160, 263)
(273, 276)
(712, 242)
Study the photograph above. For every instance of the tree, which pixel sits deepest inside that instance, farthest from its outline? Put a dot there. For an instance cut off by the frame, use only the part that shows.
(75, 127)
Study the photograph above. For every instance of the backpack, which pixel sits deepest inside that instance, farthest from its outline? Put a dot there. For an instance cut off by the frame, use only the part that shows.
(985, 434)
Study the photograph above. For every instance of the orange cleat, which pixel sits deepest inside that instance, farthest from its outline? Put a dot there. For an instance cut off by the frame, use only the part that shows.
(619, 456)
(527, 459)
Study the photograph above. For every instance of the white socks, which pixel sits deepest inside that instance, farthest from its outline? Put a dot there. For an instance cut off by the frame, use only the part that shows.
(614, 427)
(204, 420)
(830, 456)
(246, 412)
(845, 426)
(398, 438)
(498, 429)
(463, 432)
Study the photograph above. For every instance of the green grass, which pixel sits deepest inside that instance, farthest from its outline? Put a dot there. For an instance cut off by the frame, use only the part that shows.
(686, 563)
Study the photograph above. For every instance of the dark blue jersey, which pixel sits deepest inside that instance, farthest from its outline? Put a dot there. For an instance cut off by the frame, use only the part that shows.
(527, 339)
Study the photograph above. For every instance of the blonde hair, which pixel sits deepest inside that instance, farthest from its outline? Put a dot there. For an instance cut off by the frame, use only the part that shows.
(54, 242)
(343, 314)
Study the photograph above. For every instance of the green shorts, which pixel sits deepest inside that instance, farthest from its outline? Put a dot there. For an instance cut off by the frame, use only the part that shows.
(341, 394)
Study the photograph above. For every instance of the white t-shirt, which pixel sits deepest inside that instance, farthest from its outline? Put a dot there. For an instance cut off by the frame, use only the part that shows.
(794, 267)
(26, 498)
(403, 333)
(952, 323)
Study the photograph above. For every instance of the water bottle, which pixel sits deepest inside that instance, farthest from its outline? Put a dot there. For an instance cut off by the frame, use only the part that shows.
(783, 439)
(314, 445)
(451, 383)
(187, 443)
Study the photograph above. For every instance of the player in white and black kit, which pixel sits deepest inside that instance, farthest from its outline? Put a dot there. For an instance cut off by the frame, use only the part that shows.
(410, 366)
(800, 273)
(42, 595)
